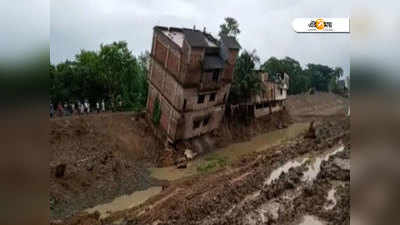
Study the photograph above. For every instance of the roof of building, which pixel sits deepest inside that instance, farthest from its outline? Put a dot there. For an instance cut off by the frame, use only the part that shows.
(197, 38)
(230, 42)
(213, 62)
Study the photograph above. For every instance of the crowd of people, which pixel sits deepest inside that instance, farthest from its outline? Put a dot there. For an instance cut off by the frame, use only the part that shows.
(81, 108)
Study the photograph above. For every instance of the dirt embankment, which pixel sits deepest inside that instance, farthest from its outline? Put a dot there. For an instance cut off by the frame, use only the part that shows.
(321, 104)
(235, 130)
(97, 158)
(242, 194)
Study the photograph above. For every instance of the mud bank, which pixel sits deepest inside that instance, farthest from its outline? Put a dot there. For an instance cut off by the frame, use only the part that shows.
(241, 195)
(97, 158)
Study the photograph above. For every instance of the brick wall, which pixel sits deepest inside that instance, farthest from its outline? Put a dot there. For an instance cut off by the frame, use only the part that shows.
(216, 114)
(173, 62)
(193, 75)
(192, 96)
(167, 84)
(169, 116)
(230, 66)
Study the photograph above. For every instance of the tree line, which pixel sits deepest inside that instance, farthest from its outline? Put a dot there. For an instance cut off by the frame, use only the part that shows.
(315, 77)
(114, 74)
(111, 74)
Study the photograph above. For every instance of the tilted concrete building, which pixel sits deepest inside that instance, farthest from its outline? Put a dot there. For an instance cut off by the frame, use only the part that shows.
(190, 75)
(274, 96)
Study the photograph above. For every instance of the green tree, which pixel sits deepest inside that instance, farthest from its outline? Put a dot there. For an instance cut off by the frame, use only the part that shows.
(297, 79)
(246, 81)
(105, 74)
(322, 76)
(229, 28)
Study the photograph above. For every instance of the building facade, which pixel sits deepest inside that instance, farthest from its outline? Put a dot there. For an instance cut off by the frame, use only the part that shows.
(190, 76)
(274, 96)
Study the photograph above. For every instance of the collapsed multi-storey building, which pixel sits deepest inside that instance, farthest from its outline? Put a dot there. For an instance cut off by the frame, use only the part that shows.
(190, 76)
(274, 96)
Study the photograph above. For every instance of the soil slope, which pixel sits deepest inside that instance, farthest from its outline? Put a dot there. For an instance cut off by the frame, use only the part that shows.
(96, 158)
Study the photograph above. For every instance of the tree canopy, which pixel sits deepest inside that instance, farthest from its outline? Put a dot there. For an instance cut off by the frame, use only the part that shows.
(246, 82)
(316, 76)
(113, 73)
(229, 28)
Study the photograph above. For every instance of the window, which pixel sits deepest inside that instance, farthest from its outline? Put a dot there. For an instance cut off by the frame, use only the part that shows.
(215, 76)
(184, 104)
(224, 98)
(200, 99)
(205, 122)
(212, 97)
(281, 91)
(196, 124)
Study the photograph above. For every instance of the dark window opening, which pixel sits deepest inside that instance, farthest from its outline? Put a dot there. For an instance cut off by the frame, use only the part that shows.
(196, 124)
(184, 104)
(224, 98)
(215, 76)
(200, 99)
(281, 91)
(259, 106)
(205, 122)
(265, 105)
(212, 97)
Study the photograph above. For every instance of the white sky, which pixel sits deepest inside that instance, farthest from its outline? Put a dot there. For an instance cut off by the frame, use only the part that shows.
(265, 26)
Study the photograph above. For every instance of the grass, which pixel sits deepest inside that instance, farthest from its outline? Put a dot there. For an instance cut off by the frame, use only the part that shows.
(212, 163)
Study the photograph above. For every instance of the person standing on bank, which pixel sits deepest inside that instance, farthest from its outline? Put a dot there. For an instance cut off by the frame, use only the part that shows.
(98, 107)
(103, 106)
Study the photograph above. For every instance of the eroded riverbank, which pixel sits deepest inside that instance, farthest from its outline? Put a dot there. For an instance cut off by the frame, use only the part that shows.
(230, 153)
(240, 195)
(315, 189)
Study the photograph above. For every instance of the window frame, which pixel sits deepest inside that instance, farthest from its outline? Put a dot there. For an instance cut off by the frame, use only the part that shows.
(201, 99)
(196, 124)
(213, 97)
(215, 74)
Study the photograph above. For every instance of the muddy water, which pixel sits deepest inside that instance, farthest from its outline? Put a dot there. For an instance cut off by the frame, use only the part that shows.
(233, 152)
(284, 169)
(314, 164)
(310, 220)
(125, 201)
(331, 198)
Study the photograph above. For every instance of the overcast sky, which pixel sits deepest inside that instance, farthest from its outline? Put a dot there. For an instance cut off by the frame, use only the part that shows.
(265, 26)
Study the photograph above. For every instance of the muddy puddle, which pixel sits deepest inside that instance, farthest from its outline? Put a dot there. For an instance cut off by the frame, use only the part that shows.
(313, 165)
(232, 152)
(331, 199)
(125, 202)
(309, 220)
